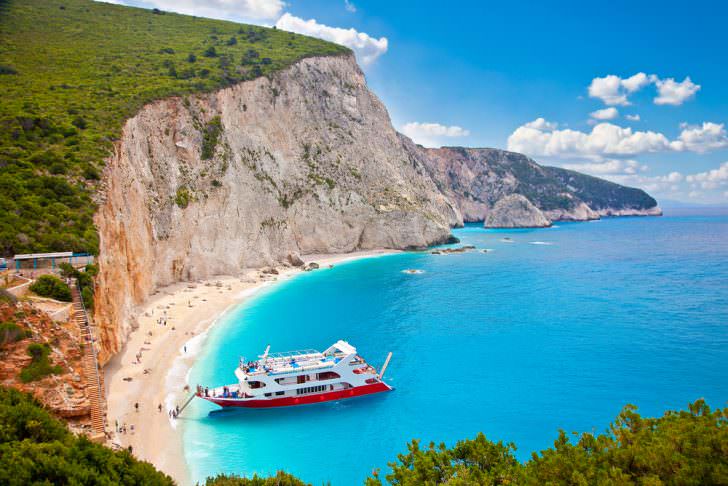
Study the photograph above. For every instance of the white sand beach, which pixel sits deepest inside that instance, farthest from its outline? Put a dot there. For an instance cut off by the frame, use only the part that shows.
(166, 353)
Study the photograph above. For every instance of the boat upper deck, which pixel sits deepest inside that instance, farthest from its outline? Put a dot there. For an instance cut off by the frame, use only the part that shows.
(300, 360)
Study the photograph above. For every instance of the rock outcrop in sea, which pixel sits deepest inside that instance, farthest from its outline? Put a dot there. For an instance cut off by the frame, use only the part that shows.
(515, 211)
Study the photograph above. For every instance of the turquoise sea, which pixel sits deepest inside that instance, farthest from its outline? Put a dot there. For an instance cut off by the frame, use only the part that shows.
(558, 329)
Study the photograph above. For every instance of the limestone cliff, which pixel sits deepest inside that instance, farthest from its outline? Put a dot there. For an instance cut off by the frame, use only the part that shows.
(515, 211)
(305, 161)
(476, 178)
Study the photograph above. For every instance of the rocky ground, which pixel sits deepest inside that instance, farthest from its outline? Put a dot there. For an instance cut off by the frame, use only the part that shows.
(64, 393)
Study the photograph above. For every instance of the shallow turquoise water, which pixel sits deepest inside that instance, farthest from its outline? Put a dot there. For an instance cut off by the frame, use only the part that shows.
(517, 343)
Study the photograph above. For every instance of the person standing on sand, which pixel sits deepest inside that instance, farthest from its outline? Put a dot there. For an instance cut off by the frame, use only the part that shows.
(136, 406)
(160, 408)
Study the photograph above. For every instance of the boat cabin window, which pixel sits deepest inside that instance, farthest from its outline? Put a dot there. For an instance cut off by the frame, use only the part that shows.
(327, 375)
(280, 393)
(256, 384)
(310, 389)
(268, 394)
(301, 379)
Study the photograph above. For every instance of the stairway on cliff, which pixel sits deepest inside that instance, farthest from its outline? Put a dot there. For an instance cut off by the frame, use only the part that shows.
(93, 374)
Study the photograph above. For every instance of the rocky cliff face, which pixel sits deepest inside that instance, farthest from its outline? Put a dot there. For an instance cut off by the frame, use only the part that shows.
(306, 161)
(515, 211)
(475, 179)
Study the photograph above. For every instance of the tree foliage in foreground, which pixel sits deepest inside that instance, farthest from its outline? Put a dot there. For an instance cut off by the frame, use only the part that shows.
(280, 479)
(687, 447)
(680, 448)
(36, 448)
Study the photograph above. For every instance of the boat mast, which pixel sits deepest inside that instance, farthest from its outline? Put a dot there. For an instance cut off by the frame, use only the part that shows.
(384, 368)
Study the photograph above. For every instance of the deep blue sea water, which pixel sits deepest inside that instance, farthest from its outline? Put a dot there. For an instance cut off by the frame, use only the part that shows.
(516, 343)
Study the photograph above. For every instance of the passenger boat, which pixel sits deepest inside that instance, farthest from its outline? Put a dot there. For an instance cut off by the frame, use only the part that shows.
(299, 378)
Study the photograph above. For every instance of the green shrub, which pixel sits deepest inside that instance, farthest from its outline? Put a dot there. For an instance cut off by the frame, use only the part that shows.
(88, 297)
(280, 479)
(210, 136)
(10, 332)
(183, 197)
(67, 270)
(51, 286)
(210, 52)
(40, 366)
(36, 448)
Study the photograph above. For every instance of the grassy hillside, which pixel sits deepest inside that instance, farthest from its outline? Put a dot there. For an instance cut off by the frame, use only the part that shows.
(71, 72)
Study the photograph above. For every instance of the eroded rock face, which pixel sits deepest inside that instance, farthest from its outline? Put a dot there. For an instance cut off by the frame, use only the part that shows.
(476, 178)
(305, 162)
(515, 211)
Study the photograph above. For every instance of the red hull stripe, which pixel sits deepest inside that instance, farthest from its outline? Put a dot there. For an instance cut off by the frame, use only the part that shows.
(301, 400)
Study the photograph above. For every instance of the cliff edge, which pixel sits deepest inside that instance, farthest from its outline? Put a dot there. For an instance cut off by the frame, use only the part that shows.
(305, 161)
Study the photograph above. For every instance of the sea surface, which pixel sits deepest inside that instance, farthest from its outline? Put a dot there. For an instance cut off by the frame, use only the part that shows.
(555, 328)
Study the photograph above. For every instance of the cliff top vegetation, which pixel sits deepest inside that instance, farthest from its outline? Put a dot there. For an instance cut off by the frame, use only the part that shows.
(71, 73)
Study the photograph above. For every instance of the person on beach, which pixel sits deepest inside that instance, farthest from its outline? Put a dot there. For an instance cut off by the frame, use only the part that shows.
(136, 406)
(160, 408)
(185, 349)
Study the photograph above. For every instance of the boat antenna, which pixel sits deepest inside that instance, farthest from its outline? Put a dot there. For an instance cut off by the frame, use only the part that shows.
(384, 368)
(265, 354)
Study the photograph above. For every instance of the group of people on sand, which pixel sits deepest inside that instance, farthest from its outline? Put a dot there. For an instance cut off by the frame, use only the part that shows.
(121, 429)
(174, 413)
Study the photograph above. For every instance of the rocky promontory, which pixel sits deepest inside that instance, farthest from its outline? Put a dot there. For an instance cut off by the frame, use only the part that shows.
(475, 179)
(515, 211)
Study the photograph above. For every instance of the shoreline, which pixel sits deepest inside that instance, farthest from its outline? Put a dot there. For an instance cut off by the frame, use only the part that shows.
(168, 352)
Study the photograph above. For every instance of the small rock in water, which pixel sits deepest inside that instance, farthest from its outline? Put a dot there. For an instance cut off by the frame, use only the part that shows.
(413, 271)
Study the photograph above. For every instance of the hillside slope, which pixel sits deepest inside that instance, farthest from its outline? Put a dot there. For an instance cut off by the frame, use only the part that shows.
(72, 72)
(475, 179)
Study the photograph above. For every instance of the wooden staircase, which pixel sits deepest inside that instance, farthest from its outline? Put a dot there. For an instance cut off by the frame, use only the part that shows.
(91, 370)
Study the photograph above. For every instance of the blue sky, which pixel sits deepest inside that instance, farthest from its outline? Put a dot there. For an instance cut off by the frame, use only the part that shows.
(517, 75)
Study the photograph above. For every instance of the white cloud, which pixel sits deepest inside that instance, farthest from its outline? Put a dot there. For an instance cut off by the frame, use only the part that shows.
(605, 114)
(428, 134)
(701, 138)
(711, 179)
(634, 117)
(367, 48)
(543, 138)
(613, 90)
(255, 10)
(541, 124)
(350, 7)
(611, 166)
(671, 92)
(708, 187)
